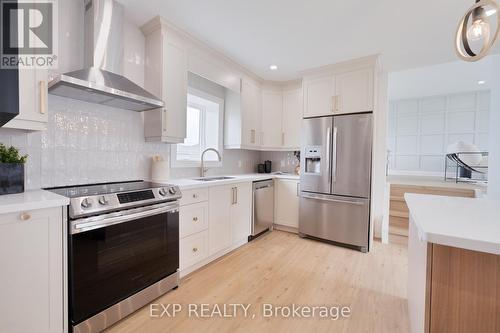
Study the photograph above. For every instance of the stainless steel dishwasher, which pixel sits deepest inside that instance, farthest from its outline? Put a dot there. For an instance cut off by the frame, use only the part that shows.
(263, 207)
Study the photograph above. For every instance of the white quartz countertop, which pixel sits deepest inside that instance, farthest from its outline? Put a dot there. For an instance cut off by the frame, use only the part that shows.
(467, 223)
(30, 200)
(186, 184)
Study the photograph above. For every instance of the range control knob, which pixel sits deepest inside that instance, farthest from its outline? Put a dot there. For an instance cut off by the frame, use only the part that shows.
(103, 200)
(87, 203)
(163, 192)
(172, 190)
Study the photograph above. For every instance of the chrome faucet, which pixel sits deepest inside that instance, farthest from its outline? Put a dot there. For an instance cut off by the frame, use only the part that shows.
(203, 169)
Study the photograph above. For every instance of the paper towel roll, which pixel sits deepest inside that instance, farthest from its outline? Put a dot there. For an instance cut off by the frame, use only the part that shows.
(160, 169)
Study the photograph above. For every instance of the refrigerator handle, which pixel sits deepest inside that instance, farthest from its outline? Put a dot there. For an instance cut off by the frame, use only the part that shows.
(328, 154)
(322, 198)
(334, 154)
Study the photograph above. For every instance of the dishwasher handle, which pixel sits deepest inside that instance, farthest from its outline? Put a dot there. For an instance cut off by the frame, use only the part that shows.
(259, 185)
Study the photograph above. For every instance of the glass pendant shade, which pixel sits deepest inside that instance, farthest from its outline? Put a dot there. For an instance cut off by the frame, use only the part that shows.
(475, 35)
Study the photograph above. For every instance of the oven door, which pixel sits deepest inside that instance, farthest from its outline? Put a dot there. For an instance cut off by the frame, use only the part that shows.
(113, 256)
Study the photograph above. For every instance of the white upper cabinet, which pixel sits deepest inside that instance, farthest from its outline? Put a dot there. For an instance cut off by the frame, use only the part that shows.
(266, 118)
(251, 102)
(166, 76)
(242, 117)
(32, 100)
(319, 95)
(339, 89)
(272, 115)
(354, 91)
(292, 118)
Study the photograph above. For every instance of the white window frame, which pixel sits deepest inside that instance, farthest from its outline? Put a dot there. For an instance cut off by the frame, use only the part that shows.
(174, 163)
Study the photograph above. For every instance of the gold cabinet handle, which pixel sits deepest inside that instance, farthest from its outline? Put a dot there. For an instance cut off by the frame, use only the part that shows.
(43, 96)
(25, 216)
(195, 219)
(195, 249)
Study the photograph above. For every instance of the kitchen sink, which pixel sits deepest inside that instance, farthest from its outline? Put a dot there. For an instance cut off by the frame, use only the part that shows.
(210, 179)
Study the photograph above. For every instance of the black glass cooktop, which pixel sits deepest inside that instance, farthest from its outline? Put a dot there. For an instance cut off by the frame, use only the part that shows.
(104, 188)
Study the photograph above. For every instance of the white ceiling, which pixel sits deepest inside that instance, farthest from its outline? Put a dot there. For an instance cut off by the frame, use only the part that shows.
(302, 34)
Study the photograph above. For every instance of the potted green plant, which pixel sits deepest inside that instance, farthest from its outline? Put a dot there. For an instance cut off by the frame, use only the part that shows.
(11, 170)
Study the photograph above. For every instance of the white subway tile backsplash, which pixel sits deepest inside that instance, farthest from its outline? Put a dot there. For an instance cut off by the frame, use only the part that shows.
(88, 143)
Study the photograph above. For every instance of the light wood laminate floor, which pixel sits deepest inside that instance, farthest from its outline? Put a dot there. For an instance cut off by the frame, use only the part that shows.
(280, 268)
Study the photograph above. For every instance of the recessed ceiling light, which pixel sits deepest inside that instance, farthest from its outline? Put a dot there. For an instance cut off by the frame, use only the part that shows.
(481, 82)
(273, 67)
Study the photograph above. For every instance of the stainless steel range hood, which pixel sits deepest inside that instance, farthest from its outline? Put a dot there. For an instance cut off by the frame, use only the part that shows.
(101, 82)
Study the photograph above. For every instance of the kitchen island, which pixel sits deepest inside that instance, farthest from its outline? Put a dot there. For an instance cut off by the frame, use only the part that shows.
(453, 264)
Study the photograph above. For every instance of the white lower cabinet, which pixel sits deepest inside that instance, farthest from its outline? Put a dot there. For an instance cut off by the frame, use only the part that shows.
(193, 249)
(211, 228)
(286, 197)
(193, 229)
(193, 218)
(221, 199)
(241, 214)
(230, 210)
(31, 278)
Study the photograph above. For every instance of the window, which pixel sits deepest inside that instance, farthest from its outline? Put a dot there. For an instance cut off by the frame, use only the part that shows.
(204, 122)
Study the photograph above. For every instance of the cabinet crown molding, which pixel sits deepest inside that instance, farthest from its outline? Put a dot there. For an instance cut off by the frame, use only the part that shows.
(350, 65)
(156, 23)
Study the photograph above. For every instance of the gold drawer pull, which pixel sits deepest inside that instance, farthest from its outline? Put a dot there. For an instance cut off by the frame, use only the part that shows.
(195, 219)
(25, 216)
(195, 249)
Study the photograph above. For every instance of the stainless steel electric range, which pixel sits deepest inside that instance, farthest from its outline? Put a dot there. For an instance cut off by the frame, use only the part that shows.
(123, 249)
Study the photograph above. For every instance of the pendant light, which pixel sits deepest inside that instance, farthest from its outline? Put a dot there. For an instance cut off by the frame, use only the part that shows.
(476, 26)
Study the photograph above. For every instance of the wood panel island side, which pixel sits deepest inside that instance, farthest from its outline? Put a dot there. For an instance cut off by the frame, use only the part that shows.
(453, 264)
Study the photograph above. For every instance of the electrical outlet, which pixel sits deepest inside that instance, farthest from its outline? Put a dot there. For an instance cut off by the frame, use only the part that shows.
(282, 163)
(240, 164)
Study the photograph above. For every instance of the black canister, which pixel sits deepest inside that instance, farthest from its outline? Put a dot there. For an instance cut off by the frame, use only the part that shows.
(268, 166)
(261, 168)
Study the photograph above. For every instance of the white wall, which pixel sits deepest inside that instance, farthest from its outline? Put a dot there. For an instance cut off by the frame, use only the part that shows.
(494, 159)
(379, 180)
(443, 79)
(420, 129)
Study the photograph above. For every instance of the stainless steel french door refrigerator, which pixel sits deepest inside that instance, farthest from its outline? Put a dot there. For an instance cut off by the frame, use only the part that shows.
(335, 181)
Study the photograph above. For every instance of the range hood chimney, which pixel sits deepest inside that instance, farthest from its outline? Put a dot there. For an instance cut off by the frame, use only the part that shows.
(102, 82)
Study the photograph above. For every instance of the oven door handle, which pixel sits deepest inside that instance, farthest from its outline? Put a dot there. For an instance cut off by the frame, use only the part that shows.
(97, 222)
